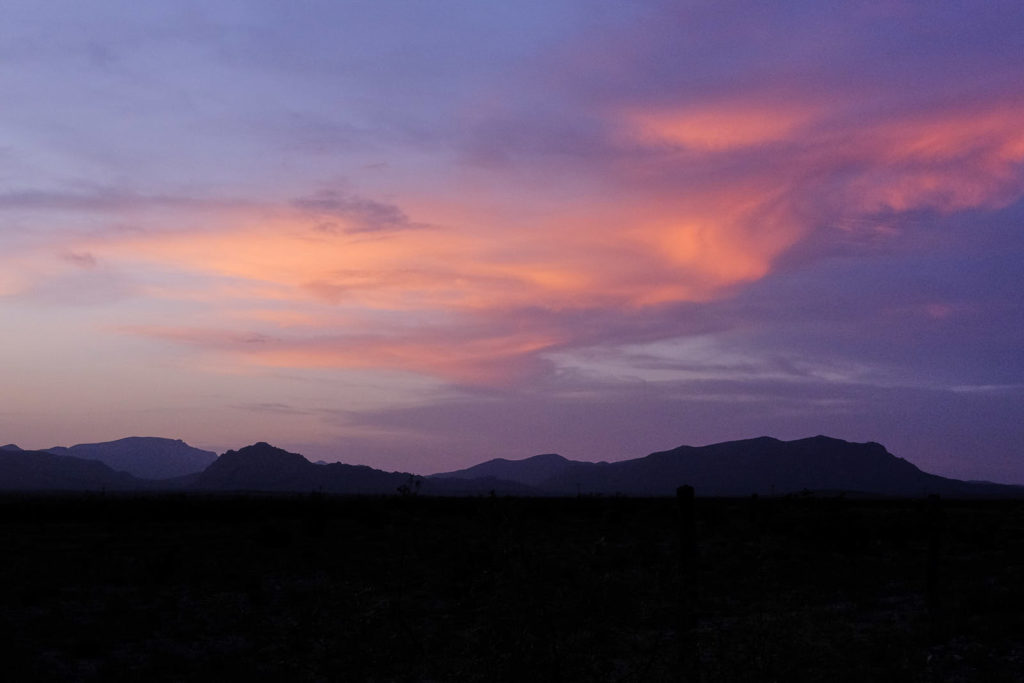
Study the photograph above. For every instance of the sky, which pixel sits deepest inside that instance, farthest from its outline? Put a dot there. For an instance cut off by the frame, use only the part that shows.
(418, 235)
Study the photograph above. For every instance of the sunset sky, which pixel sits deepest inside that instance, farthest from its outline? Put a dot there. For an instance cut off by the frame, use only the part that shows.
(417, 235)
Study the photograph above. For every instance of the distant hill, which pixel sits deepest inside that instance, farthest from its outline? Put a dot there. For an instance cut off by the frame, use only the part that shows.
(42, 471)
(145, 457)
(533, 471)
(763, 465)
(262, 467)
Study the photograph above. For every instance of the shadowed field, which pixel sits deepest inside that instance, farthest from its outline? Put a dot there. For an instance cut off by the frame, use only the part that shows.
(480, 589)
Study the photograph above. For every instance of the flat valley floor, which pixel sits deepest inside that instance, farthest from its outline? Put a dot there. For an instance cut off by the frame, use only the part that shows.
(318, 588)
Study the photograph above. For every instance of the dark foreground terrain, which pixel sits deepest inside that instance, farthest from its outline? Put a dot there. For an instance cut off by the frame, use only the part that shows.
(176, 587)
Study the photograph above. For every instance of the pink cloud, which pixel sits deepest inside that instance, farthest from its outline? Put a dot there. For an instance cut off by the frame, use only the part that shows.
(697, 200)
(461, 354)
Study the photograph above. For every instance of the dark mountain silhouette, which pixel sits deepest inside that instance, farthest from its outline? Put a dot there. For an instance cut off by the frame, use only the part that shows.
(145, 457)
(42, 471)
(262, 467)
(259, 467)
(763, 465)
(533, 471)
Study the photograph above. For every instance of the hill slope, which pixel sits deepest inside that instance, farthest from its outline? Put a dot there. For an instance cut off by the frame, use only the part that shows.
(42, 471)
(763, 465)
(145, 457)
(530, 471)
(262, 467)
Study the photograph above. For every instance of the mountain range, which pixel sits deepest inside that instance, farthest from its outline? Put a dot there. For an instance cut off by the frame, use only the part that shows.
(764, 466)
(262, 467)
(145, 457)
(142, 457)
(42, 471)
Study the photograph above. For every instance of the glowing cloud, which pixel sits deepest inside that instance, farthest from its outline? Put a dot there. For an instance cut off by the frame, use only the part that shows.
(411, 298)
(718, 127)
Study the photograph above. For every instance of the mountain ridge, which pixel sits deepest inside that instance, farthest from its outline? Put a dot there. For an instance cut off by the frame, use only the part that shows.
(22, 470)
(531, 471)
(761, 465)
(262, 467)
(146, 457)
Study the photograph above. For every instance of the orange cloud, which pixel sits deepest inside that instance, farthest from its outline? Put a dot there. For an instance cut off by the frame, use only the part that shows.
(9, 284)
(578, 260)
(661, 228)
(826, 166)
(720, 126)
(481, 355)
(484, 360)
(278, 317)
(23, 269)
(944, 160)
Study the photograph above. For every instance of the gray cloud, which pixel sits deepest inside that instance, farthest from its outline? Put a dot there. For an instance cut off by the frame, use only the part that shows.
(102, 200)
(85, 287)
(364, 215)
(275, 408)
(82, 259)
